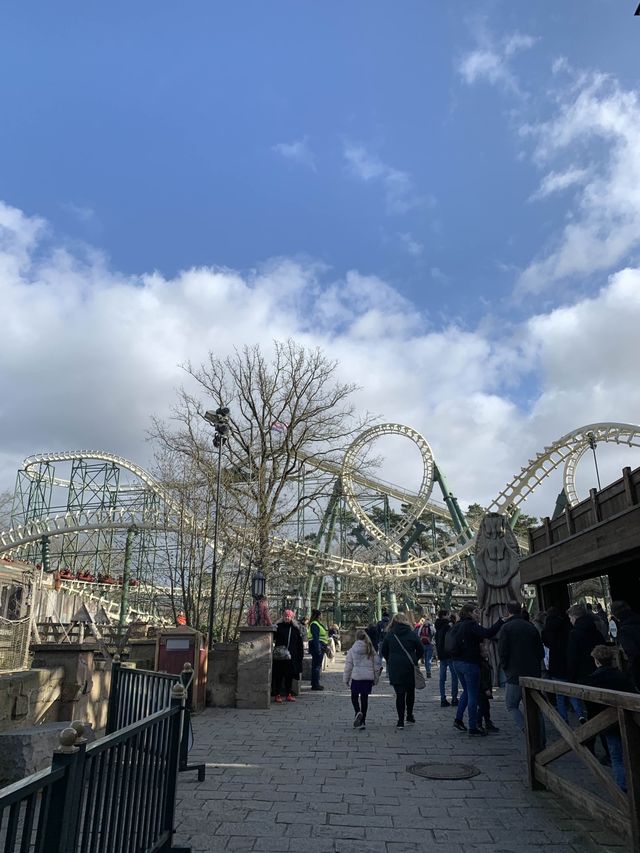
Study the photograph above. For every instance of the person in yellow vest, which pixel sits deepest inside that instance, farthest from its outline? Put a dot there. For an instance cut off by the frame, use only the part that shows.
(318, 640)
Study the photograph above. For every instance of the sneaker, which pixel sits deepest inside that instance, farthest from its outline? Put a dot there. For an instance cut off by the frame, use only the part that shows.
(291, 697)
(318, 687)
(400, 724)
(428, 675)
(279, 699)
(444, 703)
(362, 727)
(358, 720)
(411, 718)
(454, 702)
(458, 724)
(479, 732)
(491, 728)
(582, 720)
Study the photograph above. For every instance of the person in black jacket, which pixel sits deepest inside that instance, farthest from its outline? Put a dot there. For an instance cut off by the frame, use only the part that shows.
(466, 661)
(628, 637)
(608, 677)
(583, 638)
(287, 636)
(555, 636)
(442, 625)
(521, 653)
(402, 650)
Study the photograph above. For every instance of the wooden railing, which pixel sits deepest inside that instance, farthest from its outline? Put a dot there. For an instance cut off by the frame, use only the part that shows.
(622, 709)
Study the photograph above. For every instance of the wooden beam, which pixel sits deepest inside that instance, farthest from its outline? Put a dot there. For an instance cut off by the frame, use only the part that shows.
(533, 739)
(614, 698)
(590, 729)
(595, 506)
(586, 756)
(630, 737)
(605, 814)
(568, 517)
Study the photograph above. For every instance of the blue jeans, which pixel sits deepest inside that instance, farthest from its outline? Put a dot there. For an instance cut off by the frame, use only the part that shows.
(316, 666)
(617, 759)
(469, 675)
(428, 654)
(562, 704)
(444, 665)
(512, 700)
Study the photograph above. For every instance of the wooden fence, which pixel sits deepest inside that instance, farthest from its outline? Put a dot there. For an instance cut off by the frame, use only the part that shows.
(623, 809)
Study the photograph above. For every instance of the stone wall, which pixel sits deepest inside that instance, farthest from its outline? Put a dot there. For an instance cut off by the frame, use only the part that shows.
(222, 675)
(255, 650)
(31, 697)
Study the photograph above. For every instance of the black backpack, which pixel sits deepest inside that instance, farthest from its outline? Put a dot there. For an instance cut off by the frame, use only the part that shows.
(454, 641)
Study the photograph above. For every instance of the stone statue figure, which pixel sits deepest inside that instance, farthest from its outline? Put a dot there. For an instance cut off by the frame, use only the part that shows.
(497, 558)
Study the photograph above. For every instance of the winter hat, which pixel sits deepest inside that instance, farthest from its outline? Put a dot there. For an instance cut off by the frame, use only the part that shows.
(288, 614)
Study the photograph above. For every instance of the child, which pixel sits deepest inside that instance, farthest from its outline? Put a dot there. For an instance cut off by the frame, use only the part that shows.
(485, 693)
(361, 672)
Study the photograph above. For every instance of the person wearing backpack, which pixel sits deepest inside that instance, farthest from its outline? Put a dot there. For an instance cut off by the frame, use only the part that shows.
(462, 644)
(442, 626)
(426, 634)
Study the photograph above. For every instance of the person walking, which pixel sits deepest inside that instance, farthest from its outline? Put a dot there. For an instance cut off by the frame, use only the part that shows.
(462, 644)
(318, 641)
(402, 651)
(361, 672)
(607, 676)
(521, 653)
(584, 636)
(628, 636)
(442, 625)
(555, 636)
(426, 634)
(287, 657)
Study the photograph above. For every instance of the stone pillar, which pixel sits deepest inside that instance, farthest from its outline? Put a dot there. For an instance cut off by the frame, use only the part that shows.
(255, 650)
(76, 659)
(222, 675)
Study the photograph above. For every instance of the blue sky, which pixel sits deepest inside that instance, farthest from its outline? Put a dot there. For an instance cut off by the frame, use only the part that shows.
(464, 161)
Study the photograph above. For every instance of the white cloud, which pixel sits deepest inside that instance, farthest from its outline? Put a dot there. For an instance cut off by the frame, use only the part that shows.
(414, 247)
(489, 61)
(298, 151)
(89, 355)
(554, 182)
(398, 187)
(597, 123)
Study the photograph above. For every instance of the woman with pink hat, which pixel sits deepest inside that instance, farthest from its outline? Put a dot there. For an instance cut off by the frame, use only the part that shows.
(287, 657)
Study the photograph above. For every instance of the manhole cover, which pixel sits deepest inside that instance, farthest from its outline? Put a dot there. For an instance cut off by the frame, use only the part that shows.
(443, 771)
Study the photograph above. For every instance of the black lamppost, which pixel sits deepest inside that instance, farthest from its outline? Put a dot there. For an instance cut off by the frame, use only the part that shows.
(258, 587)
(220, 421)
(593, 445)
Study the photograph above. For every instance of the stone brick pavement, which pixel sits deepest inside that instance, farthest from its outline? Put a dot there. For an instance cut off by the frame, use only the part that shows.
(298, 777)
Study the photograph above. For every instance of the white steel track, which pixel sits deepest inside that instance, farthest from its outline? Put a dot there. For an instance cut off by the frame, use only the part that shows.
(567, 450)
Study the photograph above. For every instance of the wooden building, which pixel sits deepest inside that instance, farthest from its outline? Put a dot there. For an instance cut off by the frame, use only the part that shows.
(598, 540)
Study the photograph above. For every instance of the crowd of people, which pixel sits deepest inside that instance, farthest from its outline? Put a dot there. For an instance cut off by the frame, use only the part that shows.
(583, 645)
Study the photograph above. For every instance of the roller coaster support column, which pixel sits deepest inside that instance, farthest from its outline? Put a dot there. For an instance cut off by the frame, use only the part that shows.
(126, 575)
(45, 554)
(327, 526)
(337, 604)
(393, 601)
(457, 516)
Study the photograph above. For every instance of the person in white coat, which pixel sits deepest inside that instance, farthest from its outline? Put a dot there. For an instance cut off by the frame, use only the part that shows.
(361, 671)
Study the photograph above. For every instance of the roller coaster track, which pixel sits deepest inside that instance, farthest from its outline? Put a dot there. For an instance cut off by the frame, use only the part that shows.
(567, 450)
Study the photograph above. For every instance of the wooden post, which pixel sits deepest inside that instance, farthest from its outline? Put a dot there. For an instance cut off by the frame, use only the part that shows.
(629, 489)
(595, 505)
(568, 517)
(630, 736)
(532, 730)
(547, 530)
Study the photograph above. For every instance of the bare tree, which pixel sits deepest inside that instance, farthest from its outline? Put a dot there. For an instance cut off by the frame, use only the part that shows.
(286, 412)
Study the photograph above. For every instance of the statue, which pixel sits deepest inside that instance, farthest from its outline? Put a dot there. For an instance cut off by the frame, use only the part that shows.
(497, 558)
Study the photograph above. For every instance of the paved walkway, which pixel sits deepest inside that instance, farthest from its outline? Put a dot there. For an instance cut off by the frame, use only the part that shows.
(298, 777)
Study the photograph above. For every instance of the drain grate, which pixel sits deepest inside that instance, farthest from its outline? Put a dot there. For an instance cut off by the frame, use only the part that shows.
(443, 771)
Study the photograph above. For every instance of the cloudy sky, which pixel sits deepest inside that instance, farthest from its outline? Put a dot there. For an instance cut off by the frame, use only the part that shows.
(444, 196)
